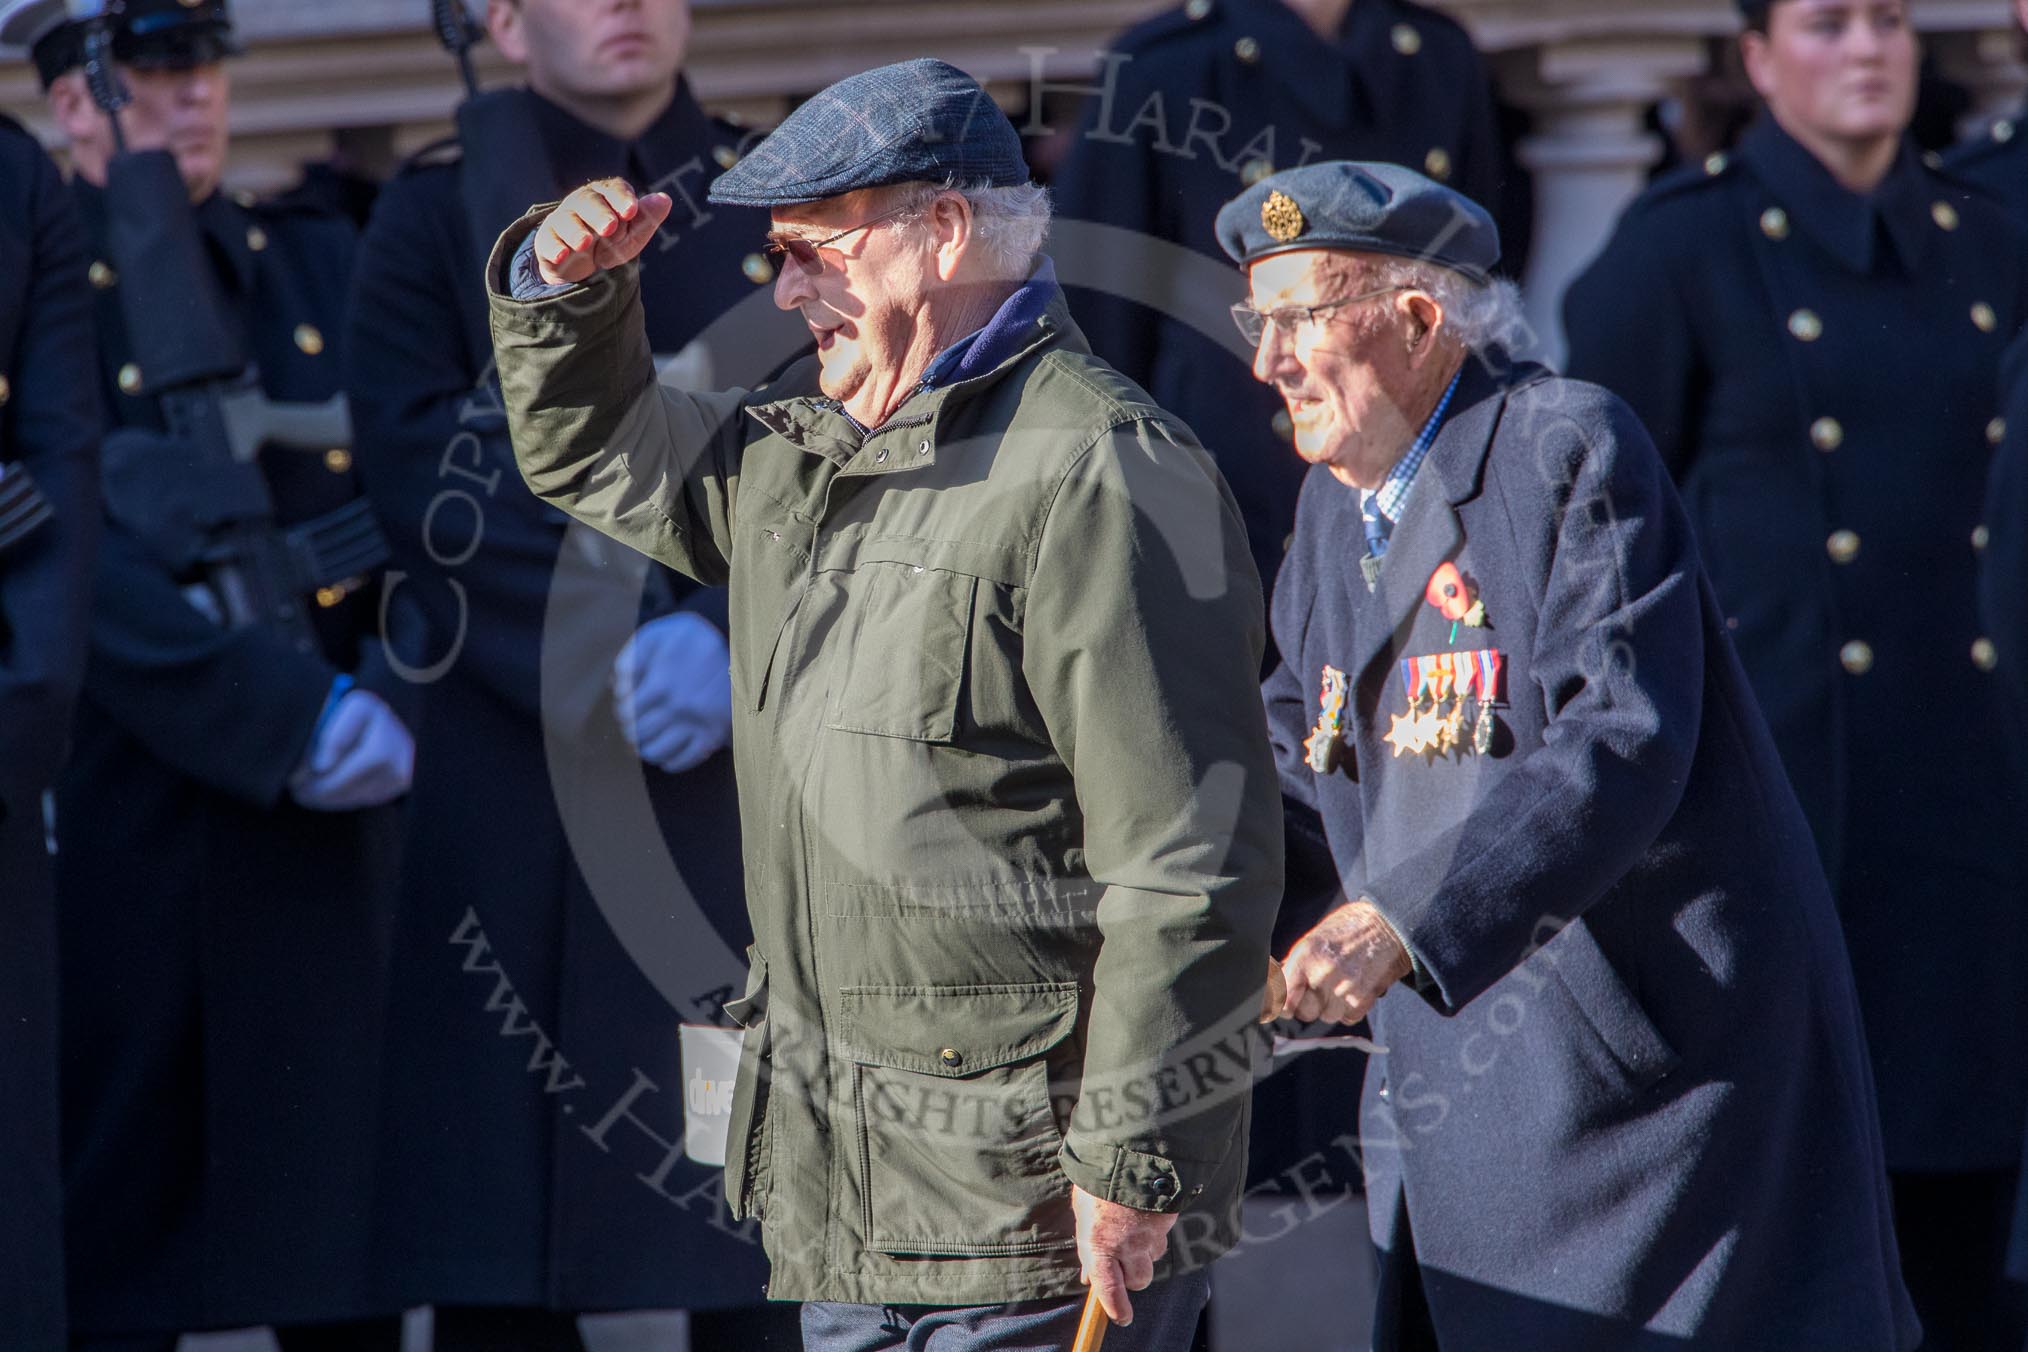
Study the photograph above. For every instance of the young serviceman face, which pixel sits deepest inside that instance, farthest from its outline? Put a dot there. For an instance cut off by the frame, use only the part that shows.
(183, 110)
(1836, 70)
(592, 51)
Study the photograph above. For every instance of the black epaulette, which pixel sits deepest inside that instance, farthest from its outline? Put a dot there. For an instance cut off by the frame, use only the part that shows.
(438, 154)
(1995, 141)
(1193, 16)
(1717, 167)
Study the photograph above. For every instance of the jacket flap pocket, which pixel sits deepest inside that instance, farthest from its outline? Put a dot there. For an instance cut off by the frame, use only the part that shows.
(955, 1031)
(908, 637)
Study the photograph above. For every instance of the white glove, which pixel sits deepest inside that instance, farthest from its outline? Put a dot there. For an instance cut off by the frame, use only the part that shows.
(362, 756)
(672, 689)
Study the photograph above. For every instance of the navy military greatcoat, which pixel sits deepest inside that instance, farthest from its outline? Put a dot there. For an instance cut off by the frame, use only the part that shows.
(223, 948)
(1819, 372)
(1195, 104)
(49, 426)
(1625, 1101)
(532, 1143)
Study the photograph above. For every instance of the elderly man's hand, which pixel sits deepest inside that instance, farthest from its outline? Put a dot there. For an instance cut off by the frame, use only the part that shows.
(1117, 1246)
(1340, 969)
(601, 225)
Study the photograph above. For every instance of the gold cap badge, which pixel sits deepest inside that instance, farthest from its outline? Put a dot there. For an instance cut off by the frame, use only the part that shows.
(1281, 217)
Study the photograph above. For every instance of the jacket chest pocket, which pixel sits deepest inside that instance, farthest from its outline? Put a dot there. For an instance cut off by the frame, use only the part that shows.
(956, 1139)
(905, 642)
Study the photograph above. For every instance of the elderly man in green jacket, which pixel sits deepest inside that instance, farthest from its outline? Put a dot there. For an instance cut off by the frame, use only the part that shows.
(1012, 834)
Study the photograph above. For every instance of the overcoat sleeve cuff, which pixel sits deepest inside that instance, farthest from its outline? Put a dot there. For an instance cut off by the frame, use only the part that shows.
(1129, 1177)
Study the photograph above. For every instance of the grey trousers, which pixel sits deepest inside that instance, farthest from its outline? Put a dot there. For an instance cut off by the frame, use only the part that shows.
(1165, 1319)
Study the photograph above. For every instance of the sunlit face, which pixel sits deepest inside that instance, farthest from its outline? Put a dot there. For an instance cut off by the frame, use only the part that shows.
(1340, 372)
(183, 111)
(1842, 70)
(593, 50)
(872, 295)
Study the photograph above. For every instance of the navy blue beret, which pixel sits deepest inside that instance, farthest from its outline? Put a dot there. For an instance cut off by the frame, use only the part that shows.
(914, 122)
(1363, 207)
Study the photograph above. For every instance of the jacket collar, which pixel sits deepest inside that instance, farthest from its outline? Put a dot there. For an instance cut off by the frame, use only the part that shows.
(671, 142)
(1846, 223)
(1428, 533)
(1335, 80)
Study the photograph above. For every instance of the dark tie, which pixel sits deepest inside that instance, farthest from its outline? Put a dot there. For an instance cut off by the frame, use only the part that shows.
(1377, 526)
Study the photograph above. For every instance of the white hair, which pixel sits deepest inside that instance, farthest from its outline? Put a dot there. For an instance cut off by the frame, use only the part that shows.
(1479, 315)
(1008, 223)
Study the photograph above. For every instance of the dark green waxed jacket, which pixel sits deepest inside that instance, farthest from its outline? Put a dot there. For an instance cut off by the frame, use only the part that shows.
(1012, 830)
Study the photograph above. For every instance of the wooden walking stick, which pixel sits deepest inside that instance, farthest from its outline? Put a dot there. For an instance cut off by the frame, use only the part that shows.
(1091, 1329)
(1092, 1325)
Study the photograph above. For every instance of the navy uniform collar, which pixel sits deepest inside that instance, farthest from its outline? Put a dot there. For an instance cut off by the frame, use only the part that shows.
(1335, 81)
(671, 142)
(1846, 223)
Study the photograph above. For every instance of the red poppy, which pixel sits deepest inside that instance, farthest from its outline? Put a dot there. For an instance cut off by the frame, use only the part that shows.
(1450, 593)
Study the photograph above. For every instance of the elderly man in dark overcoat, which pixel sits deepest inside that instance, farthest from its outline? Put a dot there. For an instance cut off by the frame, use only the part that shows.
(49, 515)
(1624, 1100)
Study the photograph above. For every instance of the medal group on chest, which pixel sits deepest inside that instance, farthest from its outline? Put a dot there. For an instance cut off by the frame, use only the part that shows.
(1451, 696)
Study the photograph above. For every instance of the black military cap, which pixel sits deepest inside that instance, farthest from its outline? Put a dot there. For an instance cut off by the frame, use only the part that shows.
(1365, 207)
(150, 34)
(918, 121)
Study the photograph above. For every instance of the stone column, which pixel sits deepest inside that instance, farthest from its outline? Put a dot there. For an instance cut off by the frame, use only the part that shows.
(1590, 152)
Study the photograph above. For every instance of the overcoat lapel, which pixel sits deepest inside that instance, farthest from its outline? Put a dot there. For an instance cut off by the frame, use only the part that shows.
(1429, 531)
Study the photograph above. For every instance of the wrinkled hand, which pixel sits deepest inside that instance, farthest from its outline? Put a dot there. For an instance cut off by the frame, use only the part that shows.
(1117, 1247)
(672, 690)
(362, 757)
(601, 225)
(1340, 969)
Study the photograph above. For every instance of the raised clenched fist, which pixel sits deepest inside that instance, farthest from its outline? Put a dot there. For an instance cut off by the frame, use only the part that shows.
(601, 225)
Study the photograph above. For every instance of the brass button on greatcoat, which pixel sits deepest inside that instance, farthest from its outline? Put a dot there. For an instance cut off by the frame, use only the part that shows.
(726, 156)
(757, 269)
(2003, 131)
(1984, 655)
(256, 238)
(1247, 50)
(1714, 164)
(6, 390)
(1774, 223)
(1983, 316)
(1438, 164)
(1981, 537)
(1996, 431)
(129, 379)
(310, 339)
(1856, 657)
(328, 597)
(1805, 326)
(1253, 171)
(1945, 215)
(102, 275)
(1407, 39)
(1197, 10)
(1843, 546)
(1284, 426)
(1827, 434)
(951, 1057)
(338, 460)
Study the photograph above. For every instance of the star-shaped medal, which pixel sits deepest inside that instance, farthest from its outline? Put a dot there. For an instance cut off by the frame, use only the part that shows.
(1407, 736)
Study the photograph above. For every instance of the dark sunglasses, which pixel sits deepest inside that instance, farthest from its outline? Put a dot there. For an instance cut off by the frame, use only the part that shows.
(804, 251)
